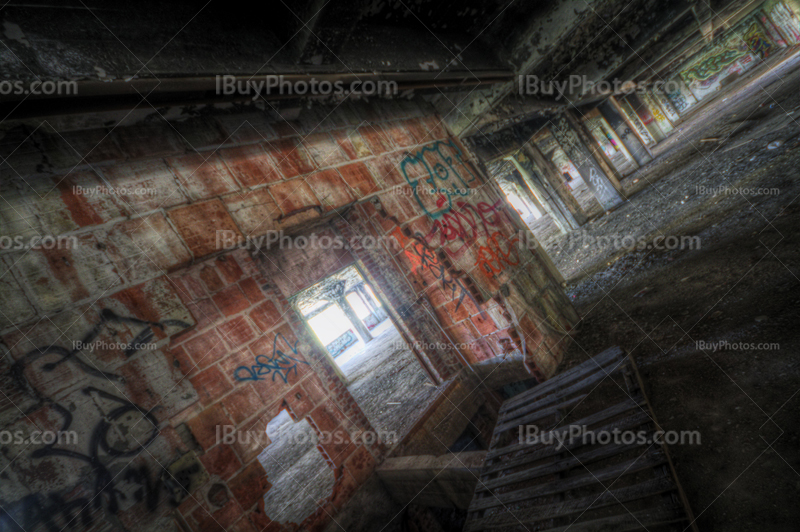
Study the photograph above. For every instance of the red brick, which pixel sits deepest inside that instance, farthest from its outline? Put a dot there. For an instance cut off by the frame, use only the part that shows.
(327, 416)
(188, 287)
(80, 209)
(291, 157)
(346, 486)
(206, 348)
(145, 247)
(339, 448)
(330, 188)
(204, 312)
(314, 389)
(358, 176)
(203, 176)
(229, 268)
(266, 316)
(360, 464)
(484, 323)
(479, 350)
(376, 139)
(221, 461)
(254, 211)
(211, 279)
(237, 332)
(399, 134)
(231, 300)
(250, 165)
(325, 150)
(252, 290)
(386, 169)
(148, 185)
(242, 403)
(229, 364)
(352, 143)
(211, 385)
(199, 223)
(217, 520)
(250, 485)
(458, 310)
(292, 196)
(178, 358)
(251, 437)
(298, 403)
(204, 425)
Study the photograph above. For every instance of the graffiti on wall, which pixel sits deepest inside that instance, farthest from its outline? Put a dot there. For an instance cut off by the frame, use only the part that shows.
(422, 257)
(341, 343)
(466, 223)
(498, 253)
(279, 364)
(432, 171)
(569, 141)
(757, 41)
(122, 430)
(711, 65)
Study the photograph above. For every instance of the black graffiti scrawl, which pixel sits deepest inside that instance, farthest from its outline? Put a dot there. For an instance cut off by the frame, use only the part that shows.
(111, 478)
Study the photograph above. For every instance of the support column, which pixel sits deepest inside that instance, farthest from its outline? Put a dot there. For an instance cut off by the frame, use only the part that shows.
(614, 104)
(348, 310)
(634, 146)
(591, 172)
(597, 151)
(551, 175)
(542, 204)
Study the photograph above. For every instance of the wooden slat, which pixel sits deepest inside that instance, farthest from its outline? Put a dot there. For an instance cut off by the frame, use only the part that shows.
(640, 520)
(534, 456)
(535, 514)
(538, 414)
(547, 472)
(640, 463)
(597, 417)
(587, 382)
(559, 466)
(603, 359)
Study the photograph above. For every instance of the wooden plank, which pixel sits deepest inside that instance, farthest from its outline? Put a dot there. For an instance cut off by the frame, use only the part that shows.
(629, 422)
(535, 514)
(601, 360)
(597, 417)
(559, 466)
(587, 382)
(538, 414)
(624, 522)
(640, 463)
(673, 473)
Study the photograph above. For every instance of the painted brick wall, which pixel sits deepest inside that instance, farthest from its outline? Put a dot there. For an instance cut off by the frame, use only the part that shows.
(180, 337)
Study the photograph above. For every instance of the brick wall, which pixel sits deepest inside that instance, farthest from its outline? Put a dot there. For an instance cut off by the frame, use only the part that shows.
(144, 337)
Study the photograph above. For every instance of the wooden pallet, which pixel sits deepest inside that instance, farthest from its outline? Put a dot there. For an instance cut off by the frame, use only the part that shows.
(580, 486)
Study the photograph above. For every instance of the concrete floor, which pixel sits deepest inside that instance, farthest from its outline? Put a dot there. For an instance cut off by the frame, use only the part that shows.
(740, 288)
(388, 382)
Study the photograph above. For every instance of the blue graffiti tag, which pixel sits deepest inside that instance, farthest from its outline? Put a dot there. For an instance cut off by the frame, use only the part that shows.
(279, 364)
(444, 179)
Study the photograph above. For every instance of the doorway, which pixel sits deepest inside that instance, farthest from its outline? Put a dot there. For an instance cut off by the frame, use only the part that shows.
(351, 321)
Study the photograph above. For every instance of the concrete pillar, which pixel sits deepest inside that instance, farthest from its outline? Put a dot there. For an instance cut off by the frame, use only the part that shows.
(635, 147)
(348, 310)
(592, 173)
(550, 175)
(363, 295)
(646, 116)
(543, 205)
